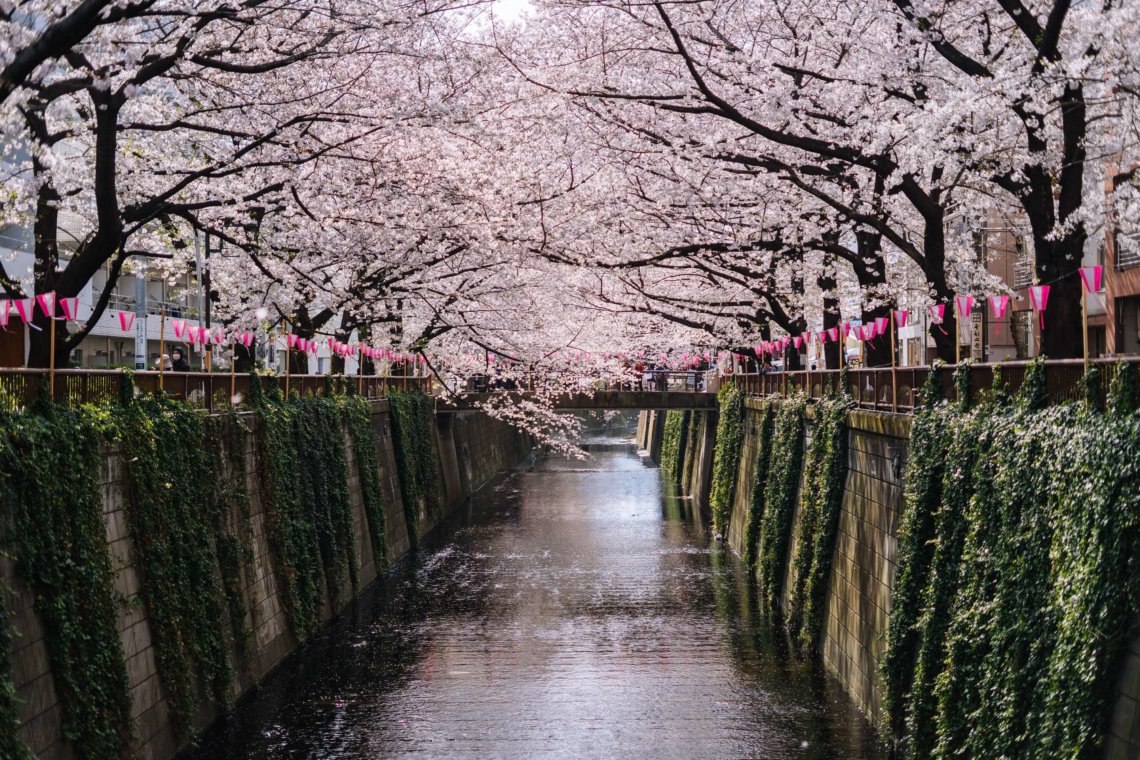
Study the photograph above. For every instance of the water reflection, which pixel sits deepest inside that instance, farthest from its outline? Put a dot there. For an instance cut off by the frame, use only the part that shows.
(572, 611)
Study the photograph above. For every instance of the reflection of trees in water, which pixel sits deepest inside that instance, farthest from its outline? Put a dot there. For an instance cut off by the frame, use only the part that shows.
(763, 653)
(377, 645)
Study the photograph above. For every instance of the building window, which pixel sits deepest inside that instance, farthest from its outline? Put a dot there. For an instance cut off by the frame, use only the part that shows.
(1022, 264)
(1127, 249)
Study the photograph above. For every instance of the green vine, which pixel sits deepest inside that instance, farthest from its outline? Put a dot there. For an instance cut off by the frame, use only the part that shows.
(412, 435)
(1015, 595)
(170, 474)
(826, 473)
(358, 418)
(726, 455)
(692, 444)
(759, 483)
(780, 496)
(673, 443)
(50, 462)
(11, 746)
(309, 515)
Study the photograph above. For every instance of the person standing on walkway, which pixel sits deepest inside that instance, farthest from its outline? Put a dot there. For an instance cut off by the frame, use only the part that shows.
(179, 363)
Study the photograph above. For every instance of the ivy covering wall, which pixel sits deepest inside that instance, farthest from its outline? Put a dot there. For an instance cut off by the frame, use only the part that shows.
(187, 503)
(692, 446)
(674, 443)
(1019, 562)
(413, 433)
(780, 491)
(825, 472)
(171, 465)
(764, 424)
(726, 455)
(50, 462)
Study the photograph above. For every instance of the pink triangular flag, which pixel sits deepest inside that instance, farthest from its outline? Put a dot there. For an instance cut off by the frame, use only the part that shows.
(179, 327)
(47, 304)
(881, 325)
(937, 313)
(901, 317)
(1038, 298)
(1091, 277)
(833, 333)
(965, 305)
(126, 320)
(70, 307)
(24, 309)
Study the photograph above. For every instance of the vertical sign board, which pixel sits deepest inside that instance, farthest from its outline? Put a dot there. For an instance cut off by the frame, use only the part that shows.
(977, 336)
(140, 341)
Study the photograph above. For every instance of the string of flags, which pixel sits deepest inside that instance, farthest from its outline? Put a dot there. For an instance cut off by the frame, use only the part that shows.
(67, 309)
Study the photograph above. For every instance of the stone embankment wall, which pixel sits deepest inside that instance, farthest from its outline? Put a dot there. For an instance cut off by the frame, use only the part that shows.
(864, 564)
(470, 448)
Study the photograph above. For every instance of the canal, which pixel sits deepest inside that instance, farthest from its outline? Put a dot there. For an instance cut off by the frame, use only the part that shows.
(572, 610)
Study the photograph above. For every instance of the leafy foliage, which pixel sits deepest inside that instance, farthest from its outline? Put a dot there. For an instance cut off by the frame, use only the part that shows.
(826, 473)
(358, 417)
(1018, 567)
(309, 515)
(413, 434)
(780, 496)
(50, 463)
(726, 457)
(692, 446)
(11, 746)
(759, 483)
(674, 442)
(171, 466)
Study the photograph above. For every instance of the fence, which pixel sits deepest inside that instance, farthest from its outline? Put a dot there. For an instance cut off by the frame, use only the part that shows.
(897, 390)
(208, 390)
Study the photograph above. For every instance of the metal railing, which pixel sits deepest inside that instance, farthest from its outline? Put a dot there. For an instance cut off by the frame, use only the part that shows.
(206, 390)
(897, 390)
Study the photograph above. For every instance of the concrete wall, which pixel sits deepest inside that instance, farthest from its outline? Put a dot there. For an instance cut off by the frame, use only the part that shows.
(863, 569)
(471, 448)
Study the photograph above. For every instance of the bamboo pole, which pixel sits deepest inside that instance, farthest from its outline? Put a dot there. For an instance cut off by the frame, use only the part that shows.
(51, 357)
(807, 358)
(284, 325)
(233, 372)
(957, 334)
(894, 368)
(161, 344)
(1085, 322)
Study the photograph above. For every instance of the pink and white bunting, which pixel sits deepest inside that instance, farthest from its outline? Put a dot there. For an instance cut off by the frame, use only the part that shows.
(965, 305)
(998, 307)
(881, 325)
(901, 317)
(179, 327)
(24, 308)
(1092, 278)
(126, 320)
(798, 341)
(70, 307)
(833, 333)
(937, 313)
(246, 339)
(1038, 298)
(47, 304)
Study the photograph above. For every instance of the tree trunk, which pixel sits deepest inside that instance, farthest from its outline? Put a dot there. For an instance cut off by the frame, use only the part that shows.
(831, 315)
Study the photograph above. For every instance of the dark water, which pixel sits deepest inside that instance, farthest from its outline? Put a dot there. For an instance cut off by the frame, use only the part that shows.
(572, 611)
